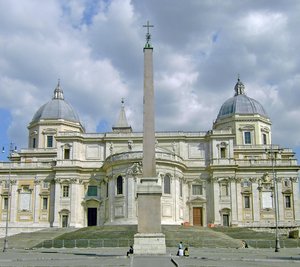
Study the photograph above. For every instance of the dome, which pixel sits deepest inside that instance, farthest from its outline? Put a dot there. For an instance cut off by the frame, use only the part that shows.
(57, 108)
(240, 103)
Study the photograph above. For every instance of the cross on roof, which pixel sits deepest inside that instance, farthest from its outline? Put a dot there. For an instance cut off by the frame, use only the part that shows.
(148, 35)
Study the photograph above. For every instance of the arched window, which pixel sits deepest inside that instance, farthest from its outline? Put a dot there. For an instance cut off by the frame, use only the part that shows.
(167, 184)
(119, 185)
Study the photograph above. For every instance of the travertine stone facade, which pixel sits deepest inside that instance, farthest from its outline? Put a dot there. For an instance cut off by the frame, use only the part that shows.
(224, 176)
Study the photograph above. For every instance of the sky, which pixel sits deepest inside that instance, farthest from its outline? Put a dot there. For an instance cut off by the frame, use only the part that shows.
(95, 48)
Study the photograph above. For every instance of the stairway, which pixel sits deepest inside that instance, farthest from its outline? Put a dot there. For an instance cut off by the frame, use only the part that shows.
(29, 240)
(190, 236)
(198, 237)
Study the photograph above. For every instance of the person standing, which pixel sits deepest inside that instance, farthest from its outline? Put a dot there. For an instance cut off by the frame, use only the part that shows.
(180, 249)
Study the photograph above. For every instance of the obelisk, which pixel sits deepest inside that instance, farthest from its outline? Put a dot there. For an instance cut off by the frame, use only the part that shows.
(149, 239)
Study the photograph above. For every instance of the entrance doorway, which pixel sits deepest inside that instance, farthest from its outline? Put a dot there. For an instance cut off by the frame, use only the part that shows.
(92, 216)
(197, 216)
(225, 220)
(64, 220)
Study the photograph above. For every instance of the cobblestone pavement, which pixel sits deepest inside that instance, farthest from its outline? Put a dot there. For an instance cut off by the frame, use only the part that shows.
(116, 257)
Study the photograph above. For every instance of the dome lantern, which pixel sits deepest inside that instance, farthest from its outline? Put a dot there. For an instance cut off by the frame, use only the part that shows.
(58, 92)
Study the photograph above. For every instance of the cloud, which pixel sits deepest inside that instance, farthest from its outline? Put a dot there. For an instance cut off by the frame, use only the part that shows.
(96, 49)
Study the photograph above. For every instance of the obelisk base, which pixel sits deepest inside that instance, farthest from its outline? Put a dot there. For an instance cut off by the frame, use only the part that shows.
(149, 244)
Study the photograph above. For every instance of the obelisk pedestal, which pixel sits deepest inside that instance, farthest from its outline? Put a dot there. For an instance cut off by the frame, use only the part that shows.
(149, 239)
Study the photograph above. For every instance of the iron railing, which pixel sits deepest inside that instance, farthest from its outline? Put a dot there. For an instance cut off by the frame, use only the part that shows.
(205, 243)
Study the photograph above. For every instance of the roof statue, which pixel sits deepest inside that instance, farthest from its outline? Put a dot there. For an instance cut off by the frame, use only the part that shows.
(239, 87)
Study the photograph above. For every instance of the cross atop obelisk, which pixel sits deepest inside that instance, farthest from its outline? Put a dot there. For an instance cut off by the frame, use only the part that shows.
(148, 35)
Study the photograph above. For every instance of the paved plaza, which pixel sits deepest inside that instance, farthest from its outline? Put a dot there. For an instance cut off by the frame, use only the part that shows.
(115, 257)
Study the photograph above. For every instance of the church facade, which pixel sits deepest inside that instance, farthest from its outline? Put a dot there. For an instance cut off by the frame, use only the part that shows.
(225, 176)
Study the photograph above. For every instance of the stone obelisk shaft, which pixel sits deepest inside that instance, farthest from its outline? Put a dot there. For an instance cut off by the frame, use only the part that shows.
(149, 165)
(149, 189)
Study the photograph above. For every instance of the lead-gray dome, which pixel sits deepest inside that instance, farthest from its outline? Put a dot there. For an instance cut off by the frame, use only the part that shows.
(57, 108)
(240, 103)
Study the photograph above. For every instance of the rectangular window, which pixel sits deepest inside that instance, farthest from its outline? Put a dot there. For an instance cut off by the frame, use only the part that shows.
(180, 188)
(288, 202)
(49, 140)
(33, 142)
(67, 153)
(246, 184)
(247, 202)
(120, 185)
(167, 184)
(92, 191)
(196, 189)
(6, 184)
(247, 138)
(45, 203)
(223, 152)
(264, 136)
(224, 190)
(107, 189)
(65, 191)
(45, 185)
(5, 203)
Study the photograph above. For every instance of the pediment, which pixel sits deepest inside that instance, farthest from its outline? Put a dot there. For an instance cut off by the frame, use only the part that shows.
(198, 199)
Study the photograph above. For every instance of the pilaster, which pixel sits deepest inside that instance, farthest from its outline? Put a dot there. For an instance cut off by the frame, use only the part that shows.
(216, 205)
(57, 203)
(235, 198)
(296, 199)
(37, 200)
(255, 203)
(13, 200)
(74, 208)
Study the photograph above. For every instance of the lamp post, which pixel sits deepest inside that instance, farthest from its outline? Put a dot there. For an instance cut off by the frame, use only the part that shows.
(277, 242)
(11, 150)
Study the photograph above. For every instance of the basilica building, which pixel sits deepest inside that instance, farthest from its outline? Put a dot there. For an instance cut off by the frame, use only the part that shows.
(229, 175)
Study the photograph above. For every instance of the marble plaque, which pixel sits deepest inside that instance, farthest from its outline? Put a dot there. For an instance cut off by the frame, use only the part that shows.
(267, 200)
(119, 211)
(167, 210)
(24, 201)
(196, 150)
(93, 152)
